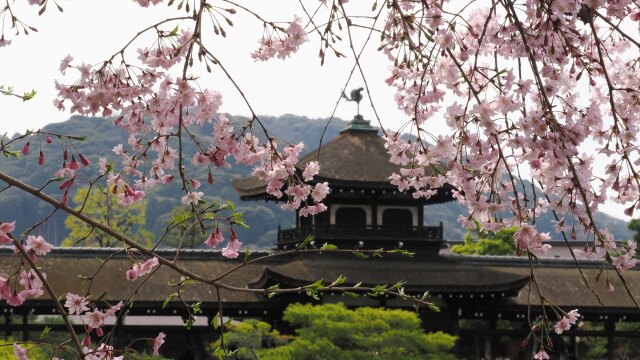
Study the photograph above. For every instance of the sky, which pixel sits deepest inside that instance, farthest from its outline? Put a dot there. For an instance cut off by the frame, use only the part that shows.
(91, 31)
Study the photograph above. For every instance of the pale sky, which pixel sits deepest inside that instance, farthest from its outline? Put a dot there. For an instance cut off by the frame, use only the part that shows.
(92, 30)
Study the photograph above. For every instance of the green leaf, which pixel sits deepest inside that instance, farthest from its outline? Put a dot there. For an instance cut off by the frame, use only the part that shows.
(180, 218)
(168, 299)
(339, 281)
(196, 307)
(305, 242)
(316, 285)
(215, 322)
(230, 205)
(44, 333)
(174, 32)
(351, 294)
(401, 252)
(28, 95)
(398, 285)
(247, 253)
(328, 246)
(361, 255)
(272, 290)
(101, 296)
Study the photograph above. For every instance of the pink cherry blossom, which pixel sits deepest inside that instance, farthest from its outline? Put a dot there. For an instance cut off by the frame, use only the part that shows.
(192, 198)
(310, 170)
(64, 64)
(157, 342)
(148, 265)
(140, 269)
(133, 273)
(567, 320)
(232, 248)
(541, 355)
(15, 299)
(282, 48)
(320, 191)
(76, 304)
(215, 238)
(94, 319)
(20, 352)
(6, 228)
(38, 245)
(113, 310)
(562, 325)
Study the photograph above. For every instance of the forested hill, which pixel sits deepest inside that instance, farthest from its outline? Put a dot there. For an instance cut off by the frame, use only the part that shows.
(263, 217)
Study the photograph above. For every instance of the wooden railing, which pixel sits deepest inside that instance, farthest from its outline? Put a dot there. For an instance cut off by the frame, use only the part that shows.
(341, 232)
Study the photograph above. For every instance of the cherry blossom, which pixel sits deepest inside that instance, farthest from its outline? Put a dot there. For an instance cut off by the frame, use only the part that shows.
(232, 248)
(76, 304)
(20, 352)
(310, 170)
(38, 245)
(192, 198)
(282, 48)
(541, 355)
(157, 342)
(140, 269)
(94, 319)
(214, 239)
(567, 320)
(6, 228)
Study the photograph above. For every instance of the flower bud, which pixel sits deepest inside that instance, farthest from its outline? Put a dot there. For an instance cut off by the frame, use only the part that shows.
(84, 160)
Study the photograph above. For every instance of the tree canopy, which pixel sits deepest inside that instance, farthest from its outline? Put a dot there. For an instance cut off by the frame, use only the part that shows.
(102, 205)
(331, 331)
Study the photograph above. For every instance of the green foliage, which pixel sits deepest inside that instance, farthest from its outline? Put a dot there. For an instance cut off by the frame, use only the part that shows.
(634, 225)
(487, 243)
(34, 350)
(332, 331)
(102, 206)
(246, 338)
(8, 91)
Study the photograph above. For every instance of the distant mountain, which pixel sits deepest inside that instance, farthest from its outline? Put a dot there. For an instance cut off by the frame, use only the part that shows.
(263, 217)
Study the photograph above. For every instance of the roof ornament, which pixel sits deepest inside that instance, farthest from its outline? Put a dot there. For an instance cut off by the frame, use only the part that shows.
(356, 95)
(358, 123)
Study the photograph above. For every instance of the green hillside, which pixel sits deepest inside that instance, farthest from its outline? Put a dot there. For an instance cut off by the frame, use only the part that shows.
(263, 217)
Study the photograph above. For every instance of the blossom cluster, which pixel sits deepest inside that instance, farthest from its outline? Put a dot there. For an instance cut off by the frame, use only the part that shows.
(271, 46)
(160, 111)
(567, 320)
(511, 122)
(233, 246)
(31, 284)
(94, 319)
(141, 269)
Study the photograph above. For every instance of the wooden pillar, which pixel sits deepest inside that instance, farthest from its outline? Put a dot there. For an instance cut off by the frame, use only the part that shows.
(7, 322)
(477, 345)
(492, 341)
(610, 327)
(455, 321)
(25, 327)
(119, 331)
(374, 214)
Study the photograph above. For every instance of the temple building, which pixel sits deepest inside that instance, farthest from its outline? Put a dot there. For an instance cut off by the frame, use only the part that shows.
(489, 302)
